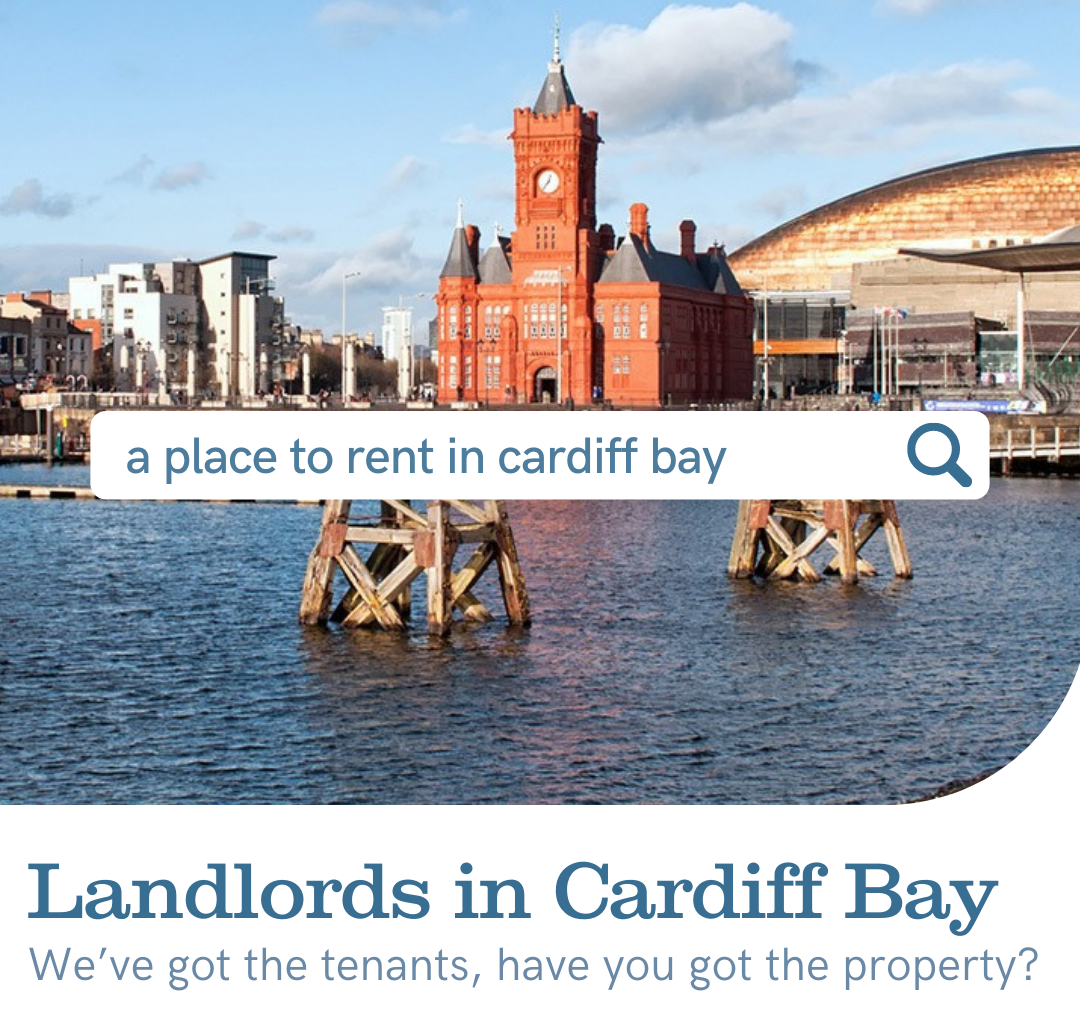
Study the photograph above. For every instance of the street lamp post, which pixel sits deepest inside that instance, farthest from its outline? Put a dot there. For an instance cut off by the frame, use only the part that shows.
(1020, 330)
(841, 371)
(346, 351)
(763, 297)
(665, 347)
(765, 341)
(558, 340)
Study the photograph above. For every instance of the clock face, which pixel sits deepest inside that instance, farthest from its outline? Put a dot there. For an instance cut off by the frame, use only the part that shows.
(548, 181)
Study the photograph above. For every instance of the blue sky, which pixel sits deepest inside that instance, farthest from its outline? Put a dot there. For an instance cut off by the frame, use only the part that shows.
(339, 136)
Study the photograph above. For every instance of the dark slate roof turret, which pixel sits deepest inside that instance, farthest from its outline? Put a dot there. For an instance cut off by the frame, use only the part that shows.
(716, 270)
(459, 260)
(555, 94)
(627, 264)
(495, 265)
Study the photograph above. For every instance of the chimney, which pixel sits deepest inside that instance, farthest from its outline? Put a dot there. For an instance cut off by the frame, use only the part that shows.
(472, 238)
(639, 222)
(607, 237)
(688, 243)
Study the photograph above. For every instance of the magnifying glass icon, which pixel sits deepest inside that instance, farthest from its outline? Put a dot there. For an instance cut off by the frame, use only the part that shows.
(950, 466)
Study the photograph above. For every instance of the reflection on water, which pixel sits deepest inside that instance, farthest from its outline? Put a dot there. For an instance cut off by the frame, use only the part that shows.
(152, 654)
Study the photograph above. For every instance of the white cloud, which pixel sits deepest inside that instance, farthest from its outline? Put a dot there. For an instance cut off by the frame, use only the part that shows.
(48, 266)
(700, 77)
(363, 20)
(291, 235)
(911, 6)
(470, 134)
(781, 202)
(409, 171)
(179, 177)
(388, 263)
(29, 198)
(917, 8)
(898, 109)
(135, 173)
(914, 7)
(894, 111)
(690, 64)
(249, 229)
(389, 266)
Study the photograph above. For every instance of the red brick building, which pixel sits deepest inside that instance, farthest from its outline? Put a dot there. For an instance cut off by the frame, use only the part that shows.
(563, 310)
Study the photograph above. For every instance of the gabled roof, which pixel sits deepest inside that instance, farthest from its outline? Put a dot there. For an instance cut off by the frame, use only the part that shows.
(638, 262)
(495, 264)
(715, 270)
(627, 264)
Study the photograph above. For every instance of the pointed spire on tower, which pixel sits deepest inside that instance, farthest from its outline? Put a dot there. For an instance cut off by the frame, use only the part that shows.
(555, 94)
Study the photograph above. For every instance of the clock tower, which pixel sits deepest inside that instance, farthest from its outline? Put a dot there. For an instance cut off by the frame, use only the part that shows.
(555, 148)
(563, 311)
(555, 246)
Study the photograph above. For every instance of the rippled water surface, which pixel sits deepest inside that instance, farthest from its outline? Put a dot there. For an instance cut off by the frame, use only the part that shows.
(152, 655)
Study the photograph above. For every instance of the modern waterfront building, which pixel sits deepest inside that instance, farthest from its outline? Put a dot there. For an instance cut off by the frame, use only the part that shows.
(145, 331)
(802, 332)
(953, 315)
(398, 345)
(207, 328)
(396, 332)
(242, 324)
(992, 201)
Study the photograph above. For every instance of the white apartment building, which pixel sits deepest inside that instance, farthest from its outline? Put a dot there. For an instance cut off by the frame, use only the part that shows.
(150, 330)
(397, 345)
(242, 324)
(396, 332)
(207, 328)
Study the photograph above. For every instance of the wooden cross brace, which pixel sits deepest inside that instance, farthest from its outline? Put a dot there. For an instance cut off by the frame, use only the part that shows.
(787, 533)
(405, 544)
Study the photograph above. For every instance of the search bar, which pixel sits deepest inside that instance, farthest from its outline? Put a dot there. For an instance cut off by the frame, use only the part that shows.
(556, 455)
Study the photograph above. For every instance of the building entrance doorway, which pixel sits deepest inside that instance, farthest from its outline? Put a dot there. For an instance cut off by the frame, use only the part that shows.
(546, 387)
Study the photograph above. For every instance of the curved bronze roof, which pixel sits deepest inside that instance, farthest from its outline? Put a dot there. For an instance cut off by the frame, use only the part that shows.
(1007, 197)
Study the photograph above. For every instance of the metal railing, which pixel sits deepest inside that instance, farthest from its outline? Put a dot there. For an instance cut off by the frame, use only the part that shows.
(22, 446)
(1035, 442)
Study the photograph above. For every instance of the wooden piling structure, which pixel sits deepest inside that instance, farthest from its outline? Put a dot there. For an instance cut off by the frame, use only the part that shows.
(774, 539)
(405, 544)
